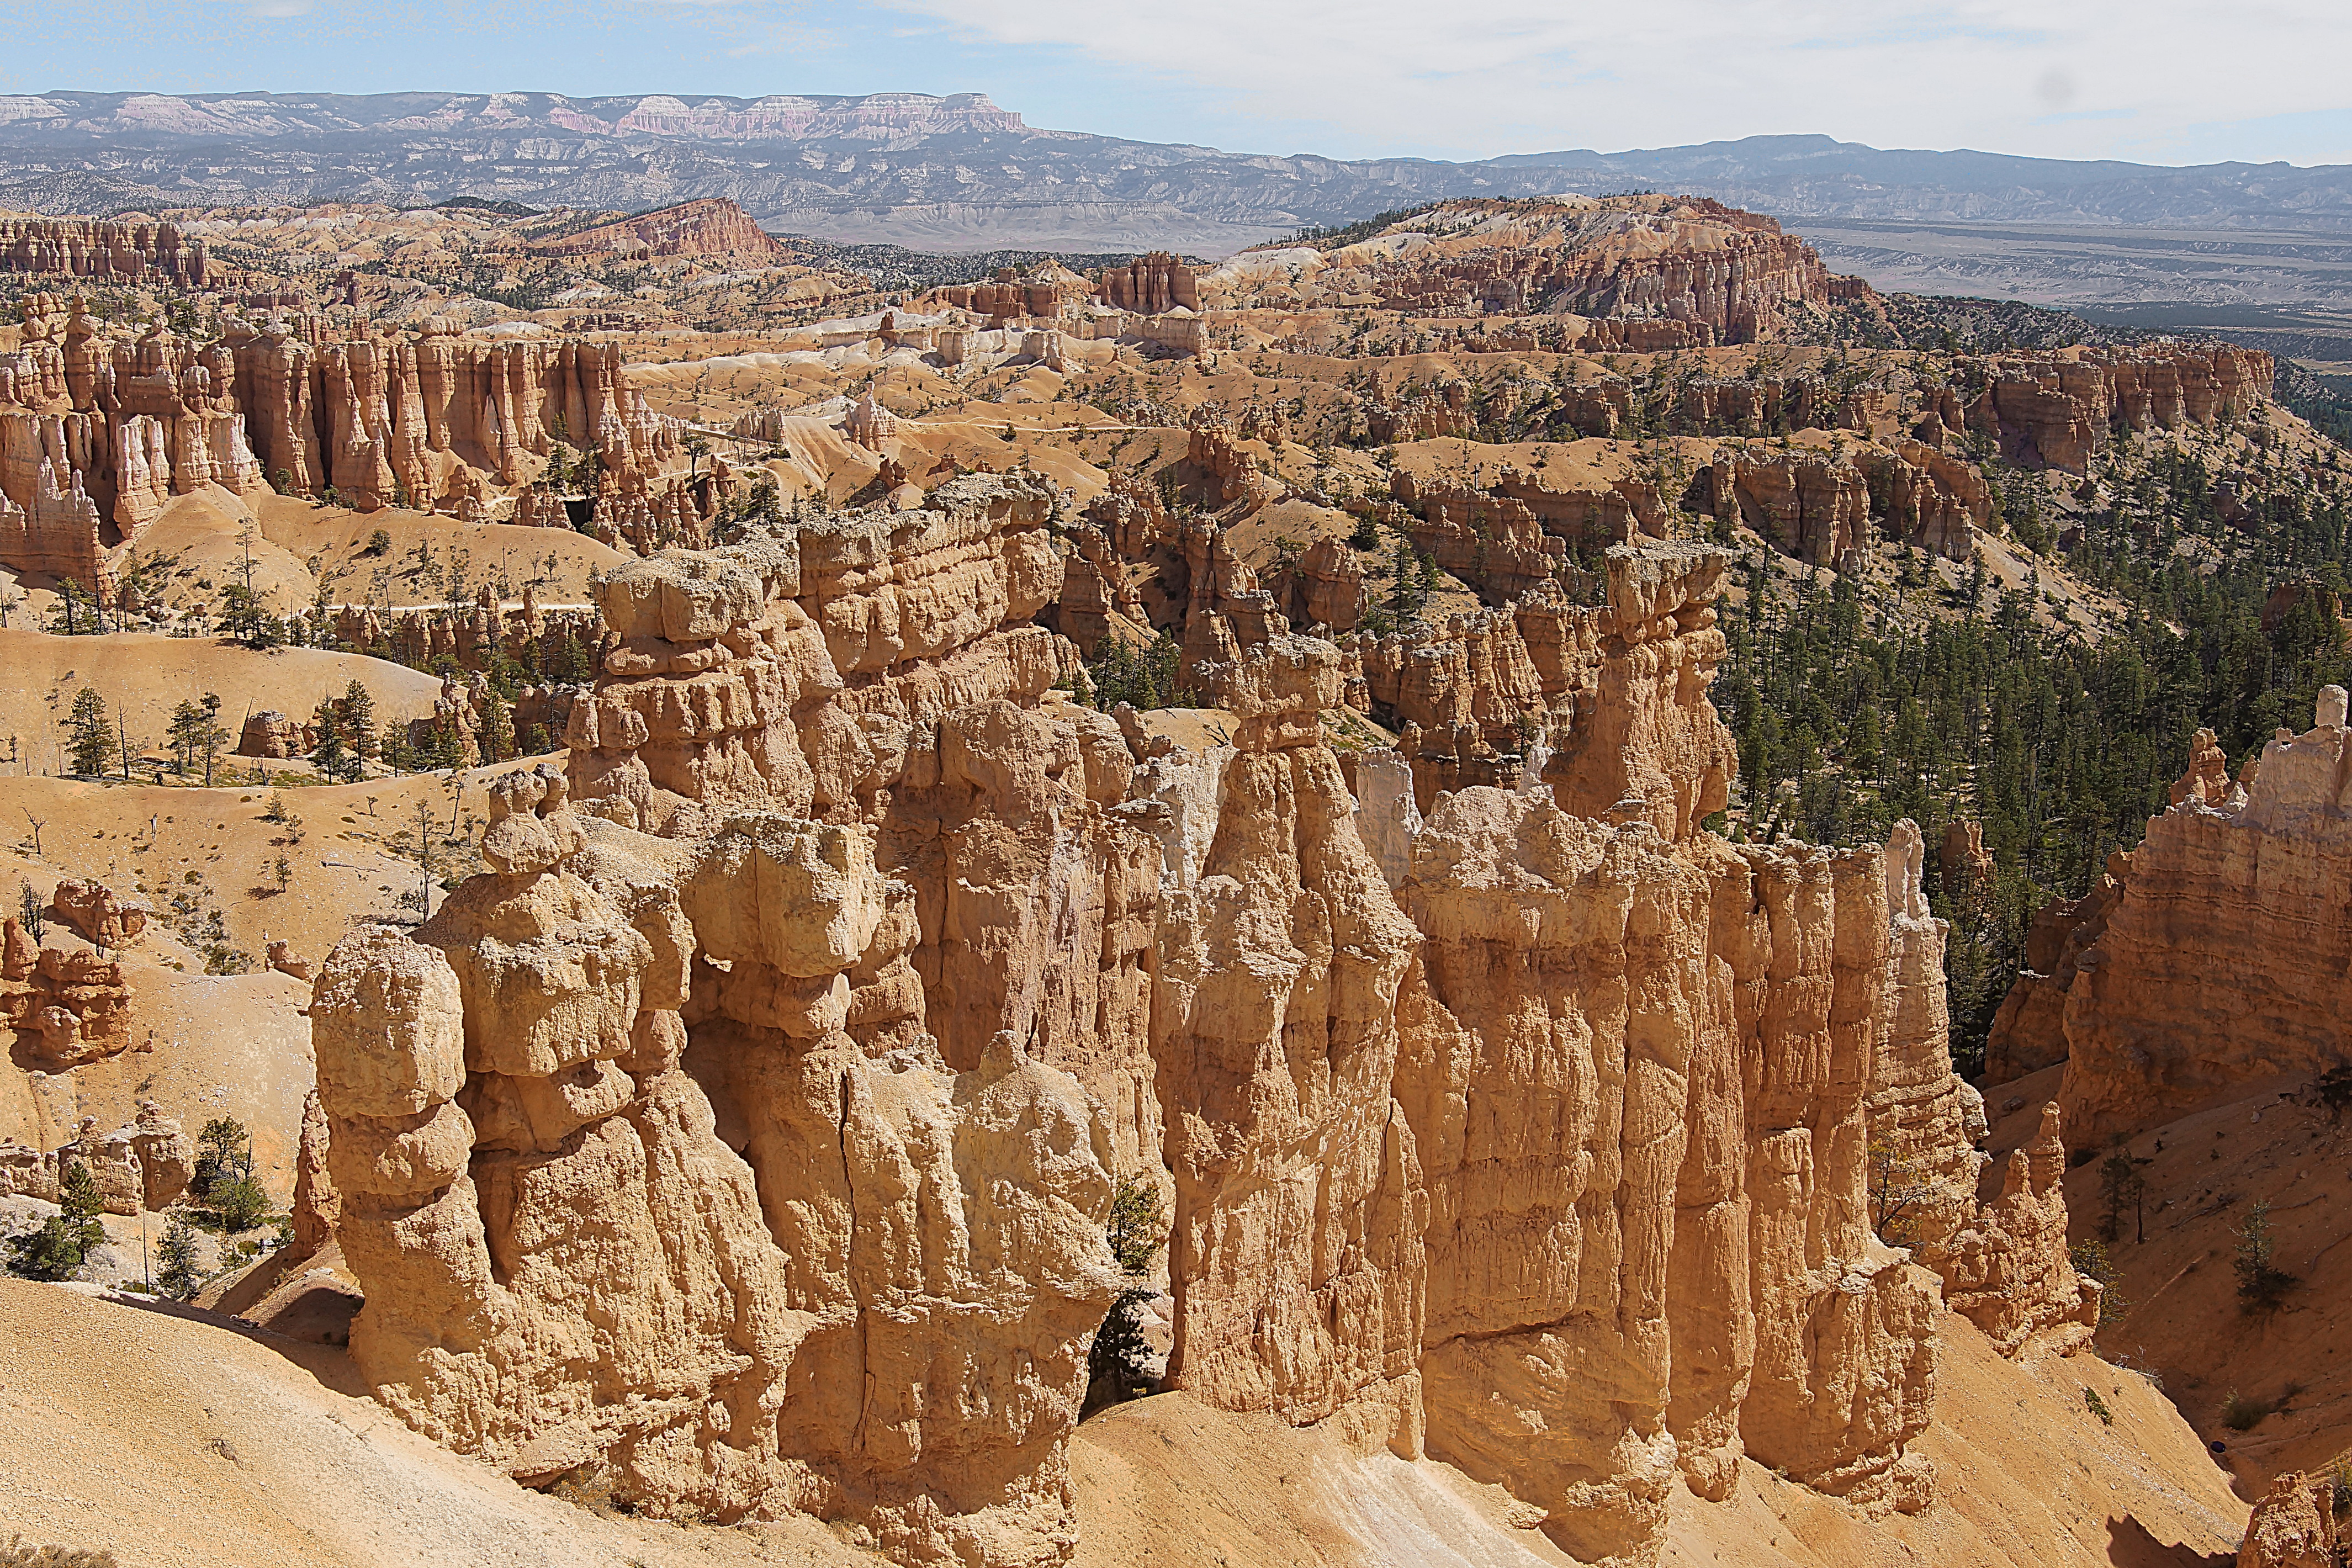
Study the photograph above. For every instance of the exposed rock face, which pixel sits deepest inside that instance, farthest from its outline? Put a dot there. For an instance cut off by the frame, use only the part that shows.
(26, 1172)
(1686, 1030)
(1652, 744)
(133, 252)
(1812, 505)
(1964, 862)
(1925, 1121)
(98, 913)
(1817, 507)
(711, 226)
(864, 1219)
(318, 1207)
(1150, 284)
(723, 689)
(2058, 408)
(1296, 1252)
(2293, 1526)
(66, 1007)
(2028, 1032)
(167, 1156)
(2008, 1269)
(112, 1161)
(269, 733)
(744, 1136)
(97, 434)
(1716, 273)
(2222, 956)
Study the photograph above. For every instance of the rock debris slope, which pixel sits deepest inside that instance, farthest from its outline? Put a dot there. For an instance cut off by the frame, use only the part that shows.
(743, 1138)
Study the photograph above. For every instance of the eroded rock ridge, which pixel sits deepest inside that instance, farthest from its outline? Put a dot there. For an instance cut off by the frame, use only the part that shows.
(744, 1137)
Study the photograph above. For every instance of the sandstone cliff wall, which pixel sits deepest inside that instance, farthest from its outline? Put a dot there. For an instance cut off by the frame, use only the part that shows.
(744, 1139)
(2223, 955)
(98, 435)
(131, 252)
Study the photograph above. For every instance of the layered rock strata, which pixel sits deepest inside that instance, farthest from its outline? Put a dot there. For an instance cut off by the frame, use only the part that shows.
(66, 1006)
(137, 251)
(97, 434)
(2225, 942)
(744, 1138)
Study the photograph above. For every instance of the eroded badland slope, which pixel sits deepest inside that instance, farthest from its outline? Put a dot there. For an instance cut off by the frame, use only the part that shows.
(903, 880)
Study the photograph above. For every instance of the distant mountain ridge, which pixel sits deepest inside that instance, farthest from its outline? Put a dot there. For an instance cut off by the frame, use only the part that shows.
(960, 172)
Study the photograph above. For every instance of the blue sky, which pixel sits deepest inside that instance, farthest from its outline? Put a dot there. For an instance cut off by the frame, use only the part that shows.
(2151, 80)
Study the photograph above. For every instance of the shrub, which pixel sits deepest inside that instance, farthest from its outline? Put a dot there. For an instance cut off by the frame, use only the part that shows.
(240, 1204)
(2091, 1261)
(2097, 1406)
(1120, 1359)
(2241, 1414)
(1144, 679)
(1135, 1227)
(2260, 1283)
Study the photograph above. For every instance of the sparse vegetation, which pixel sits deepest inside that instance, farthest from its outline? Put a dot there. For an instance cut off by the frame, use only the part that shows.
(55, 1249)
(2091, 1261)
(1144, 678)
(1136, 1228)
(2261, 1282)
(2097, 1406)
(224, 1189)
(2242, 1414)
(177, 1254)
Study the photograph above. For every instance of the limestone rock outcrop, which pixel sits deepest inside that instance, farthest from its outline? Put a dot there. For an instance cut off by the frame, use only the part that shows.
(167, 1156)
(2295, 1525)
(66, 1006)
(2008, 1269)
(98, 913)
(1717, 274)
(132, 251)
(1651, 742)
(1296, 1254)
(269, 733)
(2057, 408)
(1926, 1123)
(744, 1137)
(709, 225)
(97, 434)
(2028, 1032)
(2224, 953)
(1150, 284)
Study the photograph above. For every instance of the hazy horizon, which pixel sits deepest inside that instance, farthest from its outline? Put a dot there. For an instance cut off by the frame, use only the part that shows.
(2098, 81)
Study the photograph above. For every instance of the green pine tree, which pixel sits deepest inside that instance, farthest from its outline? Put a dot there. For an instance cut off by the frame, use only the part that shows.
(177, 1252)
(89, 737)
(58, 1248)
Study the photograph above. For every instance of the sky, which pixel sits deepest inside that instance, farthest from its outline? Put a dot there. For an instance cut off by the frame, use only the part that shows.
(2158, 82)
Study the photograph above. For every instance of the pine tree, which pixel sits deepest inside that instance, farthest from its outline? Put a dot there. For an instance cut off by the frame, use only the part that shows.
(497, 730)
(177, 1252)
(332, 759)
(57, 1249)
(89, 738)
(187, 722)
(357, 713)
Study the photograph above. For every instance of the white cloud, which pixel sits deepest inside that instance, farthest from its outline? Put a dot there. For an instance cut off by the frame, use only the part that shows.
(2076, 79)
